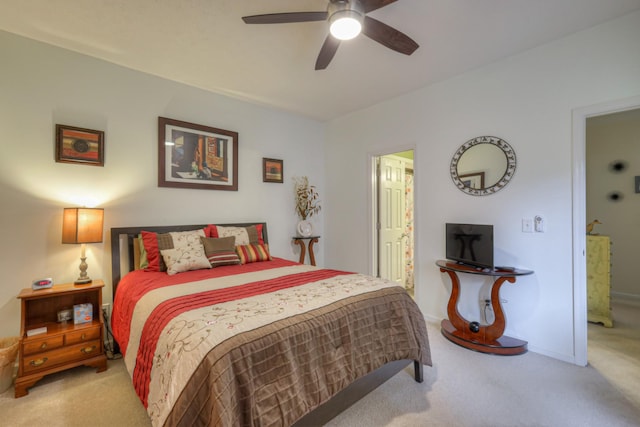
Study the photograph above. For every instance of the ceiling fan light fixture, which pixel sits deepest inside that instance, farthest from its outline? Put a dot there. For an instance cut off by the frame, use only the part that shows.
(345, 24)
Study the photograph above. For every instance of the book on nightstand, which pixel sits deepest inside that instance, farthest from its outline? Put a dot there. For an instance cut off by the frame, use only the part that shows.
(37, 331)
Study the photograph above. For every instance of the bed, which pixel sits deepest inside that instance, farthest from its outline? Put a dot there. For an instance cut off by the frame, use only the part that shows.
(266, 342)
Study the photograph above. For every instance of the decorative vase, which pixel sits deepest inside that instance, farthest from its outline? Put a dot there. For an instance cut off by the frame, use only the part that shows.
(305, 229)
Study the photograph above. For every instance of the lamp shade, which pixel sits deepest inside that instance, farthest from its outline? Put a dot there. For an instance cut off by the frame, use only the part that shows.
(82, 225)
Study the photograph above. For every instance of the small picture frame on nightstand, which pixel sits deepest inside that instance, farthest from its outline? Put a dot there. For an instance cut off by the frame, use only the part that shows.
(65, 315)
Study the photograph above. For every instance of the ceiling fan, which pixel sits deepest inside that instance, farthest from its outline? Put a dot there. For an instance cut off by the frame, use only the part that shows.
(346, 18)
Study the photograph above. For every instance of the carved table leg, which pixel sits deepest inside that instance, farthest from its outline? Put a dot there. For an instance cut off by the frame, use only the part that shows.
(300, 243)
(312, 257)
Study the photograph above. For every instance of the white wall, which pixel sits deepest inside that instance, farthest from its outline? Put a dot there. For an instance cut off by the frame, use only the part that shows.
(41, 86)
(611, 138)
(527, 100)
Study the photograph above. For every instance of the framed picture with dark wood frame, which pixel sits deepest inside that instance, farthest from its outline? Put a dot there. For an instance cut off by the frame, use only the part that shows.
(473, 180)
(79, 145)
(272, 170)
(196, 156)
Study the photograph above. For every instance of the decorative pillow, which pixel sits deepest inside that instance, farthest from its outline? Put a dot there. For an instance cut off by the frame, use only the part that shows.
(244, 235)
(156, 242)
(253, 253)
(153, 244)
(185, 258)
(220, 251)
(186, 238)
(139, 254)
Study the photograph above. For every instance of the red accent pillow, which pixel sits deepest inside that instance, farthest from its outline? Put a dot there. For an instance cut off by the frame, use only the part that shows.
(150, 241)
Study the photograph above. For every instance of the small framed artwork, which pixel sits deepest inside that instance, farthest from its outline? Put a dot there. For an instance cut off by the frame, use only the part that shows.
(196, 156)
(79, 145)
(473, 180)
(272, 170)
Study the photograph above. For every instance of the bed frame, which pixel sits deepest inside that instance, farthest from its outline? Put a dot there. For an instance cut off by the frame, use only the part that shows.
(320, 415)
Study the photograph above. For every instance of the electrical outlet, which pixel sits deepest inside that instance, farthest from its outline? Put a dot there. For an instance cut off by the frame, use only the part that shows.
(527, 225)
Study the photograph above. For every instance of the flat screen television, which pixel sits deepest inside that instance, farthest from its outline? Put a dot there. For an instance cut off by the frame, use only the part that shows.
(470, 244)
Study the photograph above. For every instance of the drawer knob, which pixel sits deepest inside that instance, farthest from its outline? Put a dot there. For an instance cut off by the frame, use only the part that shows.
(87, 350)
(38, 362)
(43, 346)
(83, 337)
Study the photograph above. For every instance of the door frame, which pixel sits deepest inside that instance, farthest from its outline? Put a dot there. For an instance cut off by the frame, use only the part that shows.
(372, 206)
(580, 116)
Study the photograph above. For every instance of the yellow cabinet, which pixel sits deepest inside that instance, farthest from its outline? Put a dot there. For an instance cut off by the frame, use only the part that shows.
(599, 280)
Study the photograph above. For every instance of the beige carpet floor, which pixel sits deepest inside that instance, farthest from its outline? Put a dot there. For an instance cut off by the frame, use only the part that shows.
(615, 352)
(463, 388)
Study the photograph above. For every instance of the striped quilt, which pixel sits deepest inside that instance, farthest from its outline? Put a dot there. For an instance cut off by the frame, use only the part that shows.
(258, 344)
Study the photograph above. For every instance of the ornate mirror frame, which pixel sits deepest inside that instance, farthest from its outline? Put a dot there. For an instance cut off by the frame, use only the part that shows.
(502, 182)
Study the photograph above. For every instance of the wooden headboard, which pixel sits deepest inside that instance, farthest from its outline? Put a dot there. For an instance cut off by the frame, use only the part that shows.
(132, 232)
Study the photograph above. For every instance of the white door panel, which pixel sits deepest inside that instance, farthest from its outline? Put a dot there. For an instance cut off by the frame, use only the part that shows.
(392, 218)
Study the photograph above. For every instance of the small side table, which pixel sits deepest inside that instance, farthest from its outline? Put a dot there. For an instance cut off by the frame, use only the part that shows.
(299, 240)
(482, 338)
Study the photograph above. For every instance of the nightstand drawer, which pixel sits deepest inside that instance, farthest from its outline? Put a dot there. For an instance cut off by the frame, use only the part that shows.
(63, 355)
(84, 335)
(45, 344)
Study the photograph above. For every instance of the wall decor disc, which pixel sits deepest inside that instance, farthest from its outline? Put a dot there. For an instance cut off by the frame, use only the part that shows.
(618, 166)
(615, 196)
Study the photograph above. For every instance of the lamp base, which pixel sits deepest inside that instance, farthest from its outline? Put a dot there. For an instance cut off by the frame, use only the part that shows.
(83, 281)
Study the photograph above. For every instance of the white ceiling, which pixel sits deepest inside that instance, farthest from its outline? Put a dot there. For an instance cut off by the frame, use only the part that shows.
(205, 43)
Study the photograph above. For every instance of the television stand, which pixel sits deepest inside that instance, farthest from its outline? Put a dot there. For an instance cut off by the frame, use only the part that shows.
(472, 335)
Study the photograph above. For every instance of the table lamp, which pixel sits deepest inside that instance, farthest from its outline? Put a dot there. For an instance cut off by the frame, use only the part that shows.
(82, 225)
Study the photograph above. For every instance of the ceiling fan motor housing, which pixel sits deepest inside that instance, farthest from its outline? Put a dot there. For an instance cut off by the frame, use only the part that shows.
(343, 6)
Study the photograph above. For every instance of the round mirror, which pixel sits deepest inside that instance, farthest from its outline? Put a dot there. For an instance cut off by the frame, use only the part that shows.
(483, 165)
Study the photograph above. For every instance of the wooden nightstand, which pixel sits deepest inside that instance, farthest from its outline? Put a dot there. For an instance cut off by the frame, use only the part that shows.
(64, 345)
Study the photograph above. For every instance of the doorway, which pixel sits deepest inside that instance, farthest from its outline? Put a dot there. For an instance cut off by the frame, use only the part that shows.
(580, 117)
(613, 295)
(393, 211)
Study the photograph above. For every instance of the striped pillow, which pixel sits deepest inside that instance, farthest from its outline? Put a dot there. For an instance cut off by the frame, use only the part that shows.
(253, 253)
(220, 251)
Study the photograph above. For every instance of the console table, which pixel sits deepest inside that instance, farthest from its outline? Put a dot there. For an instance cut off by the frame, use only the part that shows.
(300, 242)
(472, 335)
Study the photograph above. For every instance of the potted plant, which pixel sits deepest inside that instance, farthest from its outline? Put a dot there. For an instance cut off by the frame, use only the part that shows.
(307, 204)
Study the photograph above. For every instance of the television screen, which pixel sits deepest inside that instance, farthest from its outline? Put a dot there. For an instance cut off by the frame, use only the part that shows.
(470, 244)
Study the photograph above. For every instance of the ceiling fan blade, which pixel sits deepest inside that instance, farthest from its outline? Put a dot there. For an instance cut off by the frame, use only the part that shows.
(388, 36)
(371, 5)
(285, 18)
(327, 52)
